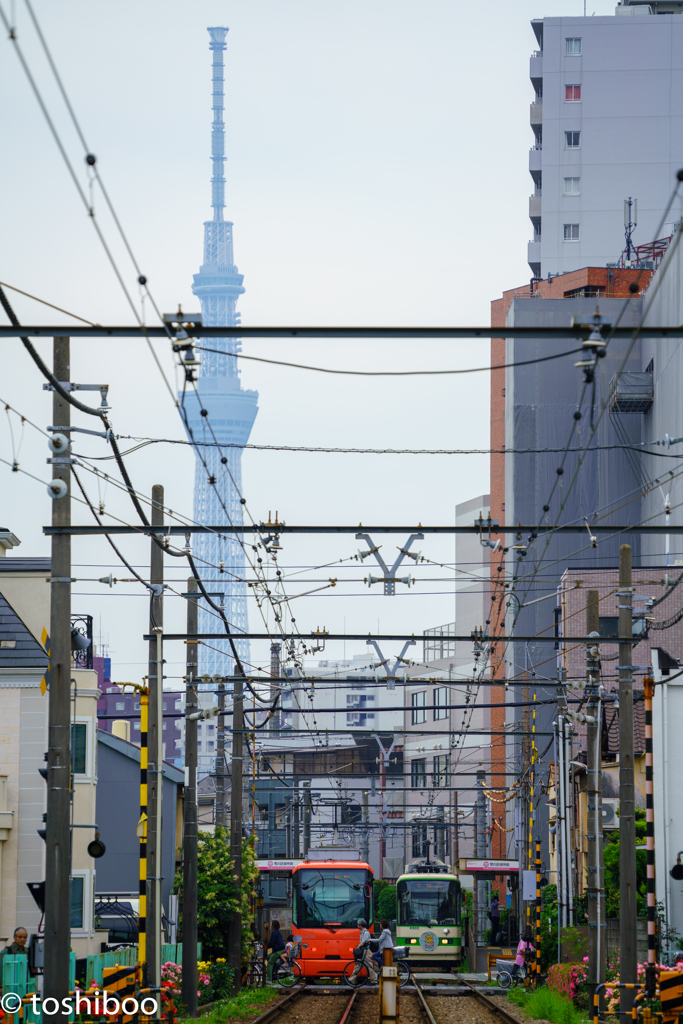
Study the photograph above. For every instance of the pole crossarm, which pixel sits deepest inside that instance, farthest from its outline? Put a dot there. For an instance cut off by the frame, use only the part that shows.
(398, 636)
(182, 332)
(224, 528)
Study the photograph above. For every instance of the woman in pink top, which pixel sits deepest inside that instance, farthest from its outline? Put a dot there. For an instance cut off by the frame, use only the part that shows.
(524, 946)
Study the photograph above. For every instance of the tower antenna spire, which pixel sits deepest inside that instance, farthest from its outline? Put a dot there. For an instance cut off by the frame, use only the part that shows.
(217, 44)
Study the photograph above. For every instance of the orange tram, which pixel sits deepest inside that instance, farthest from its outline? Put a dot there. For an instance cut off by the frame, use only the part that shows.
(328, 897)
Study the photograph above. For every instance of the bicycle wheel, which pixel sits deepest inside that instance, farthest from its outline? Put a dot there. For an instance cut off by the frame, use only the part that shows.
(504, 979)
(403, 971)
(290, 975)
(360, 979)
(254, 975)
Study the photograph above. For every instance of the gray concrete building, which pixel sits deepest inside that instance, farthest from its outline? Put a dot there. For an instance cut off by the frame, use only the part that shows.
(607, 120)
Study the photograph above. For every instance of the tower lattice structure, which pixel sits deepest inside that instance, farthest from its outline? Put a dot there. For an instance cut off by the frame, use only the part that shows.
(231, 410)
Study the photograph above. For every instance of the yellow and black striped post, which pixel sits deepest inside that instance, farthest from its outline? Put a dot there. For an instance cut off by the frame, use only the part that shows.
(671, 995)
(142, 829)
(537, 938)
(650, 823)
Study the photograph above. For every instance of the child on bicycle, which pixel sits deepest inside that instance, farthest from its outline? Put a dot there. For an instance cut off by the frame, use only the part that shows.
(524, 950)
(289, 946)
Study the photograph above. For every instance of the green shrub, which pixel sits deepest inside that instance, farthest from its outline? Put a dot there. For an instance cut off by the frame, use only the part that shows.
(544, 1004)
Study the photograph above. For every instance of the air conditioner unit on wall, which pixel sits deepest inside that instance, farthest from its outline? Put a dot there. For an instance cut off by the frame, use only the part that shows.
(610, 813)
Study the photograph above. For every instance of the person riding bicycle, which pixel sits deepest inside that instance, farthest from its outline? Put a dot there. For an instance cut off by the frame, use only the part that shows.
(366, 959)
(385, 942)
(524, 951)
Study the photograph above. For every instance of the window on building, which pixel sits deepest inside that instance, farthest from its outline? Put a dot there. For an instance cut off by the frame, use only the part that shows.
(178, 743)
(572, 46)
(572, 93)
(79, 737)
(440, 775)
(418, 715)
(571, 232)
(163, 706)
(164, 727)
(572, 140)
(440, 700)
(212, 728)
(210, 744)
(136, 707)
(120, 705)
(418, 773)
(76, 902)
(420, 841)
(136, 725)
(572, 186)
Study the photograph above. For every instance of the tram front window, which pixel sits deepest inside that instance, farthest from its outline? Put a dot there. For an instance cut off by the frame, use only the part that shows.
(327, 897)
(428, 902)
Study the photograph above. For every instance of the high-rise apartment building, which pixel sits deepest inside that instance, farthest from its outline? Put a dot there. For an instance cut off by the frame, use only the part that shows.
(607, 119)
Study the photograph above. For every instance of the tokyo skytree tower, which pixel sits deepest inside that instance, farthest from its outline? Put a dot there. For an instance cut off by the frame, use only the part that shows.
(231, 411)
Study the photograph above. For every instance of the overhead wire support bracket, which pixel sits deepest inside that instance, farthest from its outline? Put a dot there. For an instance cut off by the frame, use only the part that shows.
(389, 579)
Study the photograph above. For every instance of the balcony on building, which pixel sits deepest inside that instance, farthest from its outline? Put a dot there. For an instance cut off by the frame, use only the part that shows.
(631, 392)
(535, 206)
(535, 159)
(533, 253)
(536, 113)
(536, 67)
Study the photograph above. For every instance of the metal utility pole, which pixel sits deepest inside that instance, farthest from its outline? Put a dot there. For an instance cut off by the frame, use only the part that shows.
(221, 803)
(307, 817)
(594, 887)
(155, 677)
(57, 828)
(295, 820)
(276, 673)
(235, 926)
(189, 980)
(627, 809)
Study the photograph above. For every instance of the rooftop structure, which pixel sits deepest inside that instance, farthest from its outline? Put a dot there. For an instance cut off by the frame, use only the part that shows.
(218, 411)
(604, 116)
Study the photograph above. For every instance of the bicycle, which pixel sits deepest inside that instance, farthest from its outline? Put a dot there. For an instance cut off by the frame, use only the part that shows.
(288, 972)
(400, 963)
(505, 978)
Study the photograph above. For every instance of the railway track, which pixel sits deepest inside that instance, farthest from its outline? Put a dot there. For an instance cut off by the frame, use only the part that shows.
(341, 1006)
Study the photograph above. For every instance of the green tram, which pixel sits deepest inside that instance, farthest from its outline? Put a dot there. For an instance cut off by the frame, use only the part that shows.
(428, 912)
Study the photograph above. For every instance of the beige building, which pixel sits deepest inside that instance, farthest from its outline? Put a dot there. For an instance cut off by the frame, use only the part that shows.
(24, 615)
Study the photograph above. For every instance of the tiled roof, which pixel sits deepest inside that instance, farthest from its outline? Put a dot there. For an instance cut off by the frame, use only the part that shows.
(611, 726)
(12, 563)
(18, 647)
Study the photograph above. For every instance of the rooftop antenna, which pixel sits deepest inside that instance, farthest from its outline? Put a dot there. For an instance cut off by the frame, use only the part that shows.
(218, 45)
(630, 223)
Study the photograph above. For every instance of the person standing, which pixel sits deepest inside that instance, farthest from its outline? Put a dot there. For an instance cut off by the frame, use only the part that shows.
(494, 918)
(276, 948)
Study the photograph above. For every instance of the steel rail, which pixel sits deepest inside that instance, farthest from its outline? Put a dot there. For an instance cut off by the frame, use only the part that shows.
(275, 1009)
(424, 1006)
(494, 1007)
(180, 333)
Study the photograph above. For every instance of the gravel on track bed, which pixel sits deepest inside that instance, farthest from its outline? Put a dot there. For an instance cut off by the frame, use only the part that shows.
(326, 1009)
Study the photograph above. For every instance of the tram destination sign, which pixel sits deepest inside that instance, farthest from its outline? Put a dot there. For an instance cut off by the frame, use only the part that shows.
(285, 866)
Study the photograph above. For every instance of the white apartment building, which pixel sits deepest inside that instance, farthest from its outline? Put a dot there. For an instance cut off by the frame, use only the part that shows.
(607, 118)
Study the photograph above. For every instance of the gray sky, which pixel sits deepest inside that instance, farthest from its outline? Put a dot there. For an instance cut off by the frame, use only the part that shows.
(376, 174)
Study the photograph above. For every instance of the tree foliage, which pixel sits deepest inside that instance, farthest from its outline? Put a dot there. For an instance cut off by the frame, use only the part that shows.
(612, 875)
(217, 894)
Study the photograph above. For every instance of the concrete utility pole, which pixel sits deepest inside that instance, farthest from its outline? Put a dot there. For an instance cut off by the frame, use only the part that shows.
(276, 673)
(235, 926)
(479, 894)
(189, 981)
(295, 820)
(365, 842)
(155, 676)
(221, 803)
(594, 886)
(627, 819)
(307, 817)
(57, 828)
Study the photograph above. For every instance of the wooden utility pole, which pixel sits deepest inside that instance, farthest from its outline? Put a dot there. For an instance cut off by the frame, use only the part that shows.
(189, 980)
(155, 677)
(57, 828)
(628, 913)
(594, 875)
(235, 926)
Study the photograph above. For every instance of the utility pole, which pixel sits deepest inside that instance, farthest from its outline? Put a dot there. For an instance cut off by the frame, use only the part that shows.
(235, 926)
(57, 828)
(295, 820)
(189, 980)
(594, 886)
(307, 817)
(627, 820)
(221, 803)
(276, 673)
(155, 677)
(365, 845)
(479, 897)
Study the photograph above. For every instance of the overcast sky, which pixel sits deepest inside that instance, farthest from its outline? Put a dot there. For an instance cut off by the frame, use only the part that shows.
(376, 174)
